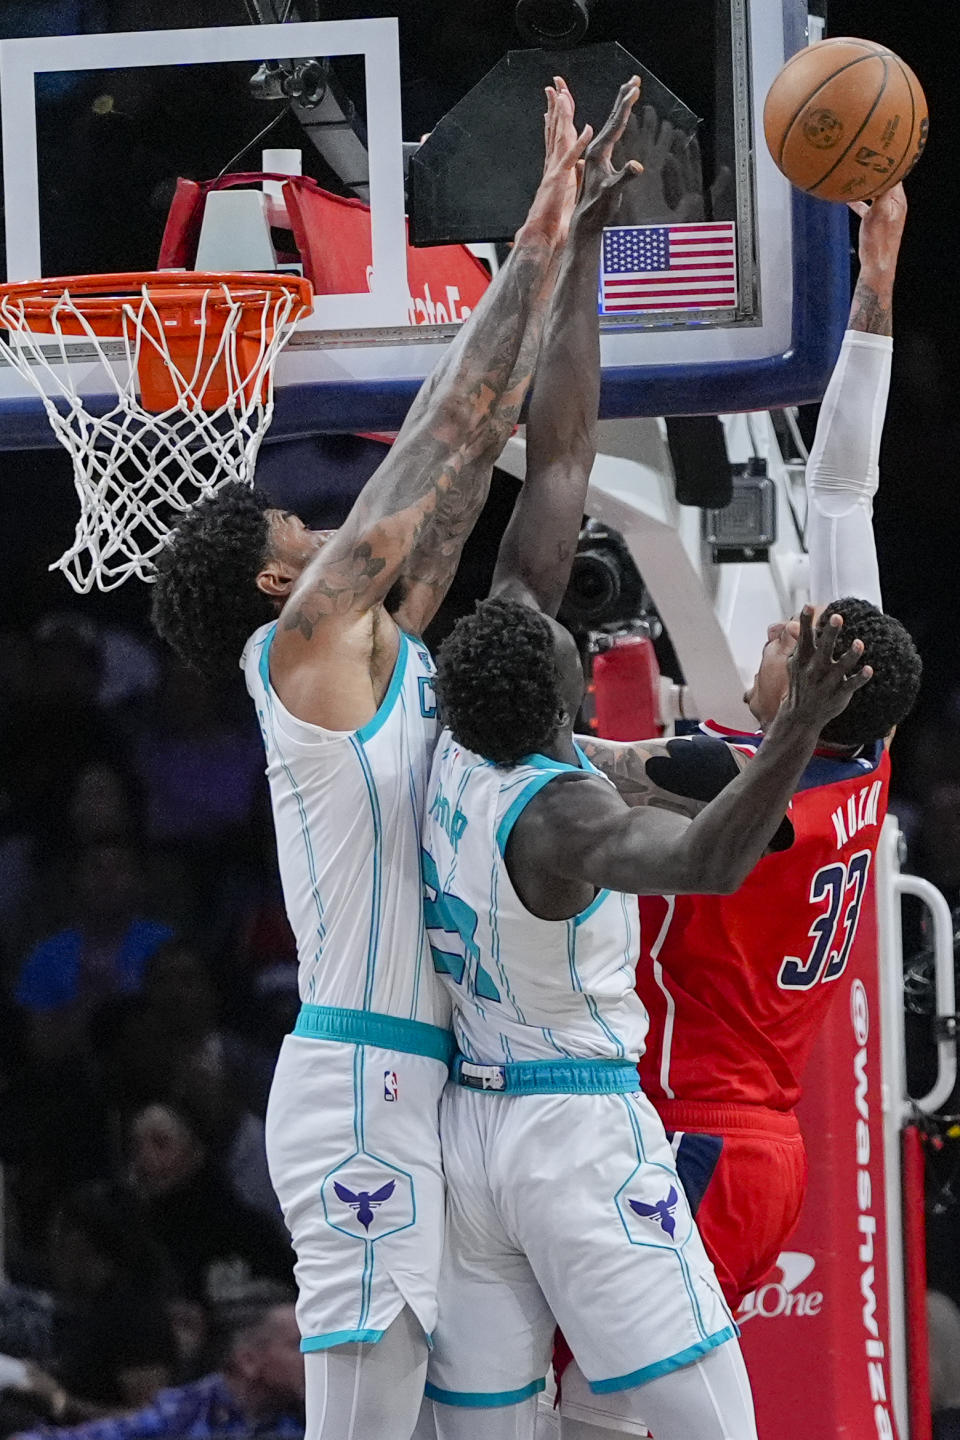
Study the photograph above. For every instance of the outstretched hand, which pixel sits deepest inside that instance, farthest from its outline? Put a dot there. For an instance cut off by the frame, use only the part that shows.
(821, 682)
(602, 185)
(881, 229)
(556, 195)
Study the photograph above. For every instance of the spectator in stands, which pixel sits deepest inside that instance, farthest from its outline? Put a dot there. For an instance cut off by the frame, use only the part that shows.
(191, 1332)
(102, 953)
(112, 1334)
(200, 767)
(201, 770)
(103, 805)
(155, 1044)
(167, 1044)
(222, 1250)
(52, 726)
(51, 730)
(105, 1341)
(258, 1391)
(53, 1112)
(210, 1083)
(26, 1323)
(181, 1005)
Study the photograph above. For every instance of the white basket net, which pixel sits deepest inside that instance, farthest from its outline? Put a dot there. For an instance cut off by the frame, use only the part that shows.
(135, 472)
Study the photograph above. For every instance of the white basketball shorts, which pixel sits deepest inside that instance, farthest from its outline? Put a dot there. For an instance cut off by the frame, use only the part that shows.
(353, 1147)
(565, 1209)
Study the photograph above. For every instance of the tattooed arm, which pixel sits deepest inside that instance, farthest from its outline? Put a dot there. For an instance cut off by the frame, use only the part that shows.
(335, 646)
(681, 774)
(537, 550)
(881, 231)
(431, 567)
(843, 471)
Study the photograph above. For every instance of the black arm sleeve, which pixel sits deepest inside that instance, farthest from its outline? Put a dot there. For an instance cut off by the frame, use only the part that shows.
(699, 767)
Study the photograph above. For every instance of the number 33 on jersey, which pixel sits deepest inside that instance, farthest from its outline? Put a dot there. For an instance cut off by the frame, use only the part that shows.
(737, 986)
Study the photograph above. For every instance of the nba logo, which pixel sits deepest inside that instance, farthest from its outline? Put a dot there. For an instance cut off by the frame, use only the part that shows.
(390, 1085)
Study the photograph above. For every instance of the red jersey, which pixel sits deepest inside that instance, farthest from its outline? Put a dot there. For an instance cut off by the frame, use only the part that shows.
(737, 986)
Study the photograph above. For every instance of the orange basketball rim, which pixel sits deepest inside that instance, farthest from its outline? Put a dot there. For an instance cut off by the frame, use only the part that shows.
(197, 339)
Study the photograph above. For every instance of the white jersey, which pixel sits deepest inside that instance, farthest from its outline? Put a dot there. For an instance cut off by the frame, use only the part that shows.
(522, 988)
(348, 807)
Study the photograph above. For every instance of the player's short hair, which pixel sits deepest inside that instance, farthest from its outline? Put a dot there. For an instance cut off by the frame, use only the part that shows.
(205, 602)
(498, 683)
(890, 696)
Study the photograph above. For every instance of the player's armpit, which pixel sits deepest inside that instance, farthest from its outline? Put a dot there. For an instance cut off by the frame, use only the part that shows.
(339, 686)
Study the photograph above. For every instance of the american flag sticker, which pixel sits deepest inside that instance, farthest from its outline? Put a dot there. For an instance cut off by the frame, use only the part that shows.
(668, 267)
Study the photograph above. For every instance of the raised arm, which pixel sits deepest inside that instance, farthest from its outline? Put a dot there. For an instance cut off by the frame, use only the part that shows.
(581, 830)
(843, 471)
(429, 468)
(428, 573)
(538, 546)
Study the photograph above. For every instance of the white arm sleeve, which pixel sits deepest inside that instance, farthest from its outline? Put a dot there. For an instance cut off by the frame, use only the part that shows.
(843, 472)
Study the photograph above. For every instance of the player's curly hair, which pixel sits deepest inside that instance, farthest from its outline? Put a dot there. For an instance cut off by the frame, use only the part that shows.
(891, 694)
(205, 602)
(497, 681)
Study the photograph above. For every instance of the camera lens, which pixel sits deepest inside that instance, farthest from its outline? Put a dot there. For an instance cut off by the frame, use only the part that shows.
(594, 587)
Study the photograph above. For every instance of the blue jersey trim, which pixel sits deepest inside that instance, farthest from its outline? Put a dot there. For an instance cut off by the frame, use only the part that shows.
(483, 1400)
(685, 1273)
(265, 657)
(601, 895)
(550, 1077)
(577, 984)
(339, 1337)
(415, 815)
(264, 667)
(373, 937)
(643, 1376)
(544, 762)
(368, 1027)
(585, 763)
(522, 801)
(549, 769)
(592, 908)
(366, 1277)
(367, 732)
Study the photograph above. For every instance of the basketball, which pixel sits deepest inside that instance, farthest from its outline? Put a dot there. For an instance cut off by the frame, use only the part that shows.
(845, 119)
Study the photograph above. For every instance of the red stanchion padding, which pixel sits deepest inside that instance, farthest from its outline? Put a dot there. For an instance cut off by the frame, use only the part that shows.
(334, 243)
(816, 1337)
(915, 1278)
(626, 681)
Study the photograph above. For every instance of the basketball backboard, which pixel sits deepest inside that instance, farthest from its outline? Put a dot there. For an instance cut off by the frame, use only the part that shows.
(356, 363)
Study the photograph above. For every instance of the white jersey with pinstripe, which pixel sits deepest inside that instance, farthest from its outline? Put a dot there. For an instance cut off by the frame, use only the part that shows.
(563, 1201)
(352, 1130)
(347, 808)
(522, 988)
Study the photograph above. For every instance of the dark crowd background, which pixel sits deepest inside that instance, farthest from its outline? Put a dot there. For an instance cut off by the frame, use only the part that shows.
(147, 973)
